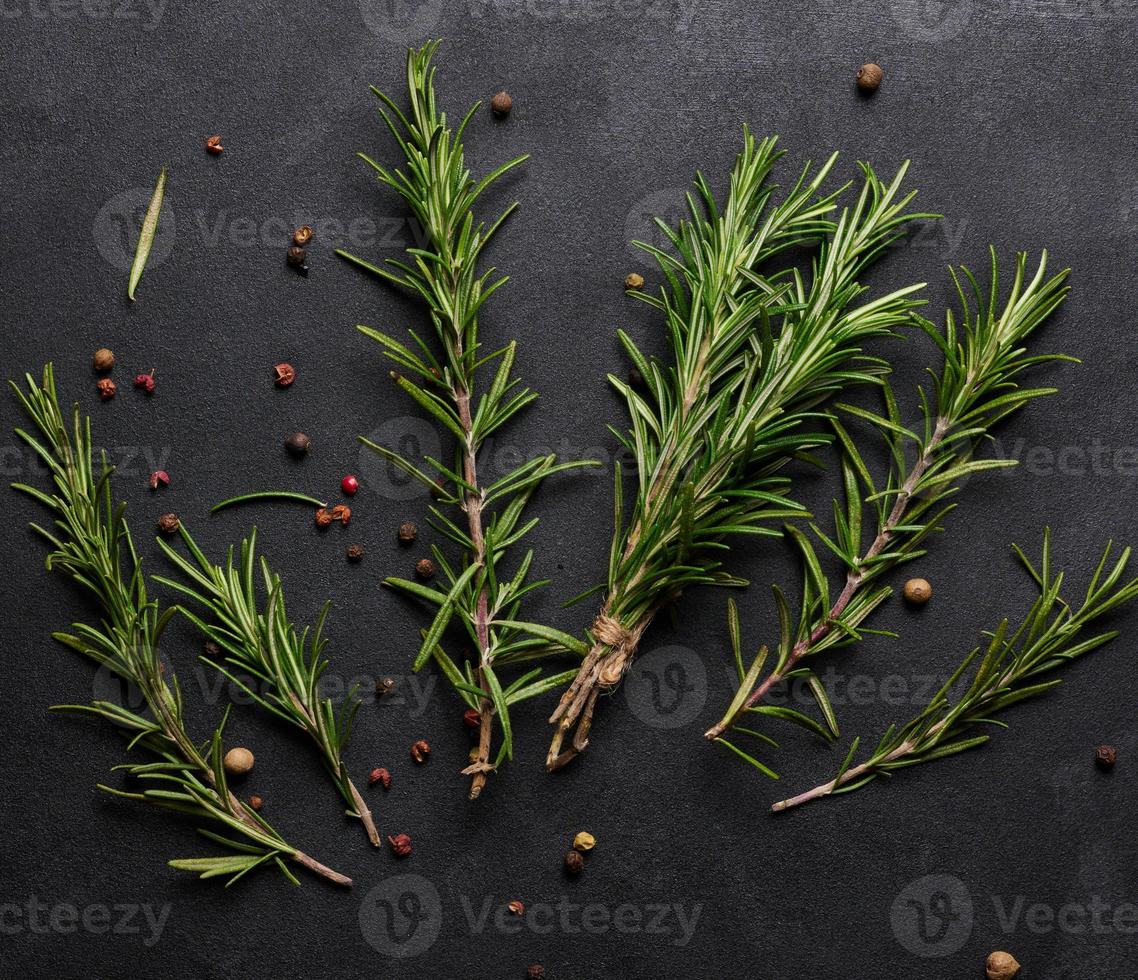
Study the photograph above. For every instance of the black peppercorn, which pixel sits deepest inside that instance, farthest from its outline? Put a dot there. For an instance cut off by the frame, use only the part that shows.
(574, 863)
(169, 524)
(355, 552)
(424, 568)
(211, 650)
(298, 444)
(535, 972)
(1105, 757)
(298, 258)
(501, 104)
(385, 685)
(408, 532)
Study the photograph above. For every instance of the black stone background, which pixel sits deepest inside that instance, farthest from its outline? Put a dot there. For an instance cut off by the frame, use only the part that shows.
(1019, 118)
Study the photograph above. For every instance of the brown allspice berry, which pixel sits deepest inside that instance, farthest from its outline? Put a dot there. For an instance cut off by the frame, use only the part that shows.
(213, 145)
(1105, 757)
(168, 524)
(381, 776)
(298, 444)
(1001, 966)
(400, 844)
(502, 103)
(424, 568)
(385, 685)
(238, 761)
(106, 388)
(869, 77)
(408, 532)
(634, 280)
(535, 971)
(420, 751)
(574, 863)
(255, 803)
(917, 591)
(355, 552)
(302, 236)
(104, 360)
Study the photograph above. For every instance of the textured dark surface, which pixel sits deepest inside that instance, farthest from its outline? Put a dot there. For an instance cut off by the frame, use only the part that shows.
(1019, 118)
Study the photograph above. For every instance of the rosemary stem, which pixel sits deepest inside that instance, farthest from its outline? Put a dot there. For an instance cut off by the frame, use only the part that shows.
(323, 870)
(855, 579)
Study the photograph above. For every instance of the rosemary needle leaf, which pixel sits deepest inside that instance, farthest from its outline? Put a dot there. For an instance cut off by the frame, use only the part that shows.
(146, 234)
(267, 495)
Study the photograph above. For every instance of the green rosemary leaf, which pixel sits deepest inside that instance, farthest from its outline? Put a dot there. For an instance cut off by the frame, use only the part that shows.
(559, 637)
(146, 234)
(268, 495)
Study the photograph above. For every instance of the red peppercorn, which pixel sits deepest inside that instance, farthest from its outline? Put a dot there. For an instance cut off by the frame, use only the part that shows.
(350, 485)
(471, 718)
(342, 514)
(286, 375)
(255, 803)
(145, 382)
(106, 388)
(213, 145)
(380, 775)
(159, 478)
(400, 844)
(420, 750)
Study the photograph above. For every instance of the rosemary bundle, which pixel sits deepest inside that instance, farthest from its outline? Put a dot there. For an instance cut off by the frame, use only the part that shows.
(266, 645)
(984, 355)
(1011, 669)
(755, 351)
(438, 188)
(91, 543)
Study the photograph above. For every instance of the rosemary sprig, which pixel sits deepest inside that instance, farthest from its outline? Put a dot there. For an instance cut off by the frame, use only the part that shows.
(976, 388)
(146, 234)
(1009, 670)
(91, 544)
(738, 400)
(264, 643)
(438, 188)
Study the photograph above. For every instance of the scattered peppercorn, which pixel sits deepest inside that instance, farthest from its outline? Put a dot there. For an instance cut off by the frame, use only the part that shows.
(574, 863)
(104, 360)
(297, 257)
(917, 591)
(471, 718)
(634, 280)
(238, 761)
(379, 775)
(342, 513)
(1001, 966)
(211, 649)
(145, 382)
(169, 524)
(420, 750)
(385, 685)
(584, 842)
(302, 236)
(424, 568)
(516, 907)
(298, 444)
(535, 971)
(1105, 757)
(106, 388)
(255, 803)
(869, 77)
(408, 532)
(355, 552)
(400, 844)
(286, 375)
(324, 517)
(159, 478)
(213, 145)
(350, 485)
(502, 103)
